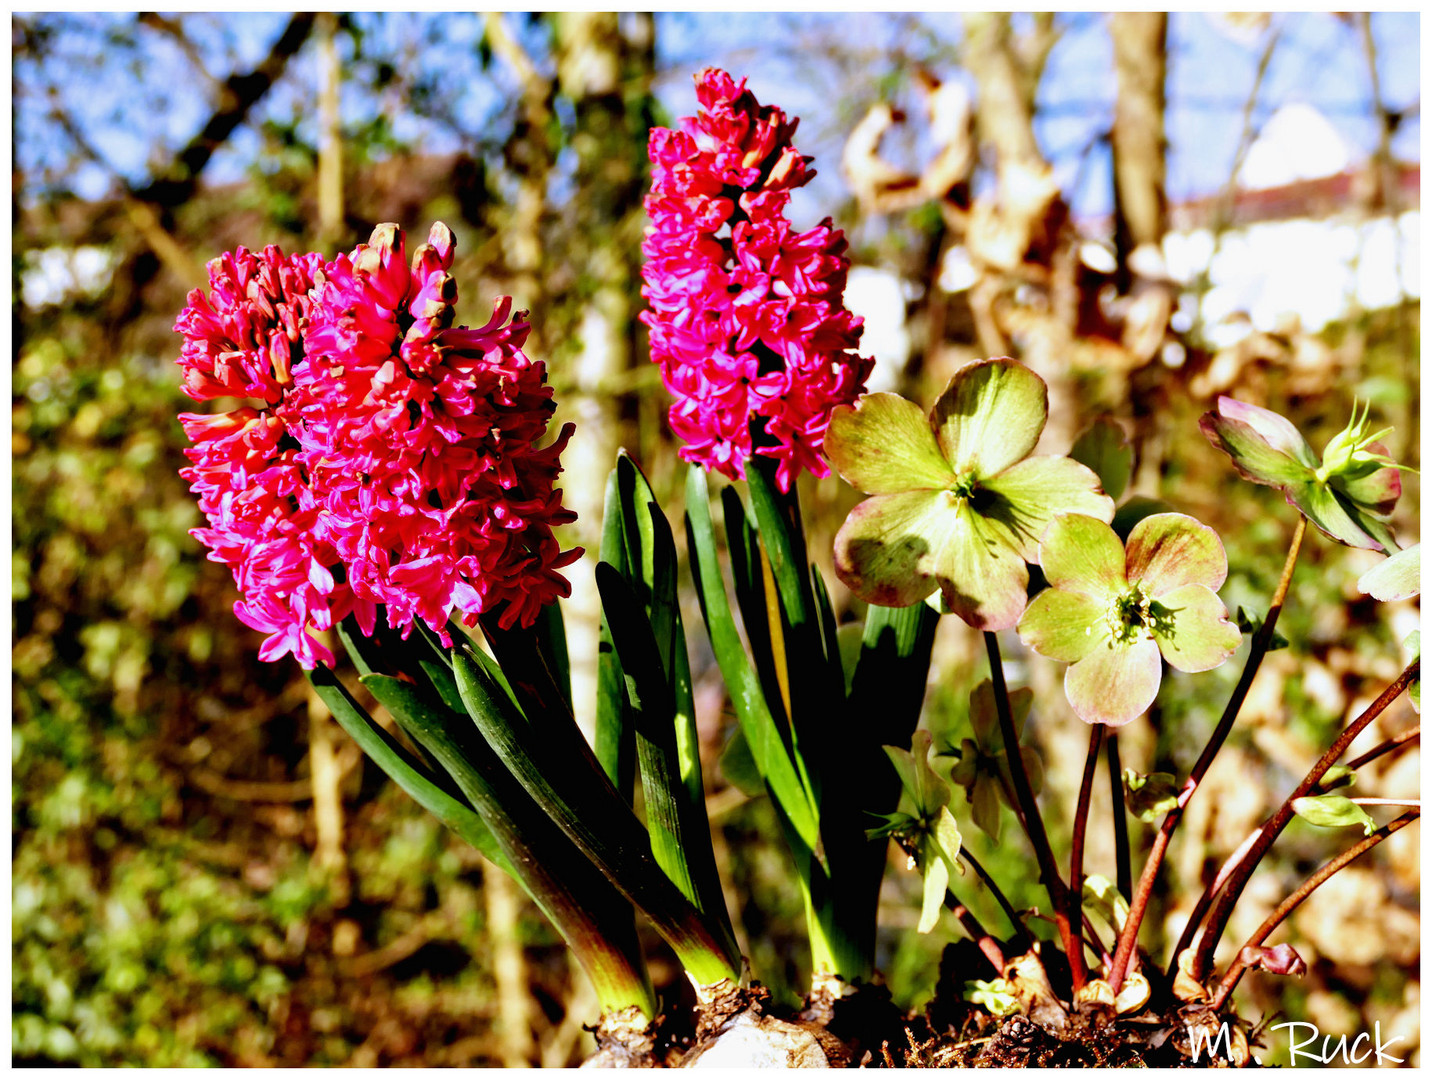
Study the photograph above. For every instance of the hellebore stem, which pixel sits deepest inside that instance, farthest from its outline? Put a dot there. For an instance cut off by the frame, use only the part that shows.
(1128, 939)
(1122, 860)
(1272, 828)
(1287, 907)
(1033, 823)
(1020, 932)
(1077, 970)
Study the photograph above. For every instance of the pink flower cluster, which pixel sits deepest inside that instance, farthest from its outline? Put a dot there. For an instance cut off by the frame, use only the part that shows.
(746, 314)
(384, 457)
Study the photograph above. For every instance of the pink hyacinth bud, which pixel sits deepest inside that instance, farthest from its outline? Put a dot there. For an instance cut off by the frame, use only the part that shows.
(746, 315)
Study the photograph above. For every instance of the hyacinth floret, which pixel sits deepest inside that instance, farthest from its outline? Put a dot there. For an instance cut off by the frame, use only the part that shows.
(419, 437)
(376, 454)
(243, 341)
(746, 315)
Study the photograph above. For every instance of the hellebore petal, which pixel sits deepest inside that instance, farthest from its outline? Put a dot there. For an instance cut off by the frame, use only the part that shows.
(1263, 446)
(990, 415)
(1167, 551)
(884, 444)
(1398, 577)
(1322, 506)
(1061, 625)
(1115, 682)
(1081, 554)
(891, 547)
(982, 577)
(1378, 489)
(1032, 491)
(1197, 636)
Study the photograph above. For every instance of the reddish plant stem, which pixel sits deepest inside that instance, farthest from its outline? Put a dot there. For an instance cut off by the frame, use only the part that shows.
(1288, 906)
(1385, 747)
(1200, 909)
(978, 934)
(1021, 934)
(1122, 861)
(1140, 902)
(1274, 826)
(1075, 895)
(1033, 823)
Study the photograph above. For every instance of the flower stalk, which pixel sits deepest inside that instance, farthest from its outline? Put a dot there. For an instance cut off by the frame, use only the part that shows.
(1124, 950)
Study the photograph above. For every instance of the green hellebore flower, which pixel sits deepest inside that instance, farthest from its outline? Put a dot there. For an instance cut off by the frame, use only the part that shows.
(1397, 577)
(983, 766)
(957, 502)
(1111, 611)
(1349, 494)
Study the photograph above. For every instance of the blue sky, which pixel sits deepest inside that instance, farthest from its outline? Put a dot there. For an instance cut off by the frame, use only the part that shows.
(827, 68)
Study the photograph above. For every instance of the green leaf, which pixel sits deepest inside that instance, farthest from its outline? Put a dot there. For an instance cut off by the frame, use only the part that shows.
(575, 794)
(1333, 811)
(615, 744)
(738, 766)
(1150, 797)
(591, 915)
(766, 744)
(885, 444)
(1102, 897)
(1105, 448)
(434, 792)
(998, 996)
(1251, 624)
(1398, 577)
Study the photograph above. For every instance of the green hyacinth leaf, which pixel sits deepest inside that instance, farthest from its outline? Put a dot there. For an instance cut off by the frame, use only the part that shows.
(1150, 797)
(1105, 448)
(1195, 635)
(1333, 811)
(1398, 577)
(884, 444)
(1168, 551)
(990, 416)
(739, 767)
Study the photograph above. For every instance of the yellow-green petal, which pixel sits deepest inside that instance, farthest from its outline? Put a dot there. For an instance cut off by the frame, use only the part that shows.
(884, 444)
(1114, 683)
(984, 580)
(890, 546)
(1082, 554)
(1167, 551)
(990, 416)
(1063, 625)
(1196, 635)
(1030, 493)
